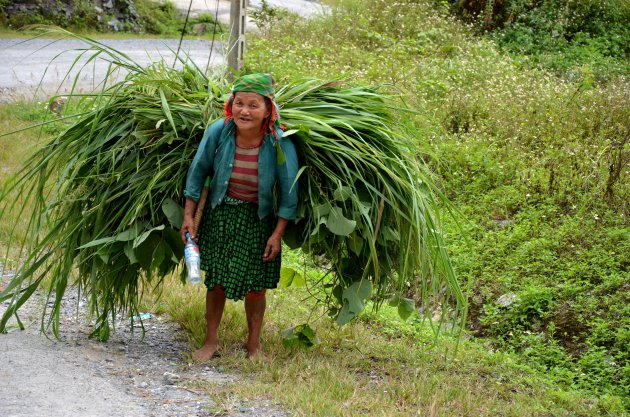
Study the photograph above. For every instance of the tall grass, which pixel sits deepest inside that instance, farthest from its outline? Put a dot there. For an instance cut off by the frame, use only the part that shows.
(107, 194)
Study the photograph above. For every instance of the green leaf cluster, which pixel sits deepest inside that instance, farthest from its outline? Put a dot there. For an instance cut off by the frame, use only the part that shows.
(107, 194)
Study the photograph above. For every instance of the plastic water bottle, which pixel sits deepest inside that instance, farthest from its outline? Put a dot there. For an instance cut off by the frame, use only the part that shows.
(193, 261)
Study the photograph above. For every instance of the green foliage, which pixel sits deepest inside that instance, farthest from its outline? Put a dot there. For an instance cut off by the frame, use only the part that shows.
(162, 18)
(366, 203)
(557, 34)
(301, 336)
(158, 17)
(155, 17)
(267, 16)
(81, 16)
(536, 163)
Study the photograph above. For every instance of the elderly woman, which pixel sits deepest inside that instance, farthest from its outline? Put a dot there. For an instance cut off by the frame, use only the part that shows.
(240, 235)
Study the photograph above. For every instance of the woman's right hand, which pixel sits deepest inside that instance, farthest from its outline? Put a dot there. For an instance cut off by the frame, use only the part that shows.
(188, 226)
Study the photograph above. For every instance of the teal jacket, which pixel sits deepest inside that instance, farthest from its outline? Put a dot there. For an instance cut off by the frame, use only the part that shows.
(215, 158)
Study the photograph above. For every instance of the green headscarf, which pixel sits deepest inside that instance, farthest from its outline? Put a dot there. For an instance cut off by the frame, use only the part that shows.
(262, 84)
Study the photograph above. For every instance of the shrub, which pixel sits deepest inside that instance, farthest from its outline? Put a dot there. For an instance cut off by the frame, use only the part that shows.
(558, 34)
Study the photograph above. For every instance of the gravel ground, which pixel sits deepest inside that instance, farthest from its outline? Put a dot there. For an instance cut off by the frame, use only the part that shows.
(126, 376)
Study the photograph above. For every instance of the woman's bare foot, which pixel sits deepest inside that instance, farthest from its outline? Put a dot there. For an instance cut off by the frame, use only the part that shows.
(205, 353)
(253, 351)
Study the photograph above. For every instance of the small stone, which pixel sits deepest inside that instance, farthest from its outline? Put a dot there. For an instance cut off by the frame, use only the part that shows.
(171, 378)
(507, 299)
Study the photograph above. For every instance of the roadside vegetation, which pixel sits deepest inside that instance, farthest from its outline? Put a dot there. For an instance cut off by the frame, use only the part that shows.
(142, 17)
(533, 149)
(533, 152)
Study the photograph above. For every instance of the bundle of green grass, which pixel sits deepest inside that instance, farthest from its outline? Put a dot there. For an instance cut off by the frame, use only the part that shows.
(108, 196)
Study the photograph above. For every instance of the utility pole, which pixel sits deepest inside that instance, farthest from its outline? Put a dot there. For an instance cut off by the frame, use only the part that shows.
(236, 53)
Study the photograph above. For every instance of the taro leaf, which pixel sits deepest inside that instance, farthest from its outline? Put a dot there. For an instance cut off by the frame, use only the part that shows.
(301, 336)
(145, 235)
(337, 292)
(289, 277)
(338, 224)
(322, 210)
(364, 208)
(123, 236)
(353, 301)
(104, 252)
(174, 213)
(293, 236)
(144, 251)
(172, 237)
(131, 255)
(355, 243)
(342, 193)
(406, 306)
(159, 254)
(131, 233)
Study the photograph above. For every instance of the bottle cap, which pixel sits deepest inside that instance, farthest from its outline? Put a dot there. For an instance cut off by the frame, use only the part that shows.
(187, 235)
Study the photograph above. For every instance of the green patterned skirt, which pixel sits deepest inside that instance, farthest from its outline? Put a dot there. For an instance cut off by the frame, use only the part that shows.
(232, 240)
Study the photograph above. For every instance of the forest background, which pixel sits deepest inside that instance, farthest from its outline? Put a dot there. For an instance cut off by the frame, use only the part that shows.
(522, 111)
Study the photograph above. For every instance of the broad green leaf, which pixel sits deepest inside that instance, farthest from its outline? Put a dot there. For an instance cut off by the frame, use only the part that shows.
(293, 237)
(322, 210)
(159, 253)
(353, 301)
(174, 240)
(390, 234)
(355, 243)
(338, 224)
(343, 193)
(145, 235)
(289, 277)
(174, 212)
(406, 306)
(144, 251)
(301, 336)
(131, 233)
(129, 251)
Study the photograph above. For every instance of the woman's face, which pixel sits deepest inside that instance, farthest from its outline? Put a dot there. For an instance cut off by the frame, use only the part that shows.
(249, 111)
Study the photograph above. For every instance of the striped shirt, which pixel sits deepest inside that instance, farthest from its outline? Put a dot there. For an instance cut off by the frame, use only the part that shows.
(244, 180)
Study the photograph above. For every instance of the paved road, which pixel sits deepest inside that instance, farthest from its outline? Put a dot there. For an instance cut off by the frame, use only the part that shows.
(304, 8)
(24, 64)
(43, 66)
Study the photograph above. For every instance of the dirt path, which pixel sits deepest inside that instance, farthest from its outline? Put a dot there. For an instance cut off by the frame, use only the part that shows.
(126, 376)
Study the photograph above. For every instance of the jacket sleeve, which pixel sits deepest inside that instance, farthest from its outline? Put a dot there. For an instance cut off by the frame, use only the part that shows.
(203, 161)
(287, 174)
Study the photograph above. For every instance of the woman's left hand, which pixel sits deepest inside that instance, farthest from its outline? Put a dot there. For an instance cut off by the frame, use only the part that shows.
(274, 244)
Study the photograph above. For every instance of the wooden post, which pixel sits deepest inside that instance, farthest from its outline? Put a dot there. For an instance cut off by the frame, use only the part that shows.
(236, 54)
